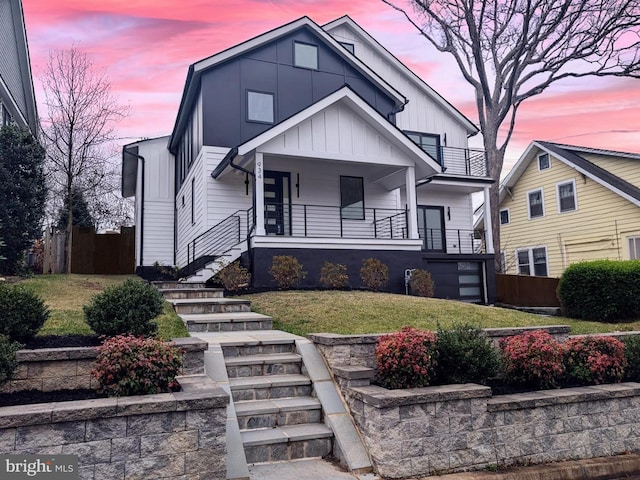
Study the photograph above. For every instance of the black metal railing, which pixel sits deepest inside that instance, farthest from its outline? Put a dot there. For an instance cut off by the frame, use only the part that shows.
(464, 161)
(453, 241)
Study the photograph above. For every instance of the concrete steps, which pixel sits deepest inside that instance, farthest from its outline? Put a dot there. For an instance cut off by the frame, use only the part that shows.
(186, 293)
(190, 306)
(226, 322)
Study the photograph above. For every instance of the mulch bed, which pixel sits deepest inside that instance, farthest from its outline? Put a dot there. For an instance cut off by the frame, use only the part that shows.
(58, 341)
(36, 396)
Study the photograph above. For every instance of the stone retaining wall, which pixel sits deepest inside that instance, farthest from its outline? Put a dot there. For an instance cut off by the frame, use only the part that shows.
(69, 368)
(178, 436)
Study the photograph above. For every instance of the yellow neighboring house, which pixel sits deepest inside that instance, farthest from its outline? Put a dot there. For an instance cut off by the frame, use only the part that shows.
(562, 204)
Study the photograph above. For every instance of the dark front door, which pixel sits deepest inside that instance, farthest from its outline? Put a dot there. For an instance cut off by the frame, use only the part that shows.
(277, 202)
(431, 228)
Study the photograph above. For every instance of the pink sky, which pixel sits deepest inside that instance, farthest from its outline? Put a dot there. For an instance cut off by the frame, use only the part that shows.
(146, 47)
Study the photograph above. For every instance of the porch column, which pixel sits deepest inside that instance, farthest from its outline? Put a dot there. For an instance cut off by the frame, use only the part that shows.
(412, 204)
(488, 228)
(259, 171)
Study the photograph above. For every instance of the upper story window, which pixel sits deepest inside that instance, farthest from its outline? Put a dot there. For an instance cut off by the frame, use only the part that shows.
(260, 107)
(428, 142)
(634, 248)
(544, 161)
(305, 55)
(535, 201)
(504, 216)
(566, 196)
(352, 198)
(349, 46)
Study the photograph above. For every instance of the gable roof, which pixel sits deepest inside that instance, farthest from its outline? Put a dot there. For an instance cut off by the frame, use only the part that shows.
(471, 128)
(570, 155)
(425, 165)
(195, 70)
(16, 82)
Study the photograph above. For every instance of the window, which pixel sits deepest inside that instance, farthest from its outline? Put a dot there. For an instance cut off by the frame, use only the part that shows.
(428, 142)
(536, 204)
(193, 201)
(532, 258)
(544, 161)
(634, 248)
(431, 228)
(349, 46)
(305, 55)
(566, 196)
(352, 198)
(260, 107)
(504, 216)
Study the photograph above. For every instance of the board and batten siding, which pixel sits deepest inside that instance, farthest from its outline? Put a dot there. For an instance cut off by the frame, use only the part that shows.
(192, 192)
(422, 113)
(598, 229)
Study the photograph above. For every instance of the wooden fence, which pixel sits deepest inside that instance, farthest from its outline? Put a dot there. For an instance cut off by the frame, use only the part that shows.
(91, 252)
(526, 291)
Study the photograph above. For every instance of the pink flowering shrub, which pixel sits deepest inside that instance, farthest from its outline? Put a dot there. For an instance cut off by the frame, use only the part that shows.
(406, 359)
(532, 358)
(129, 365)
(594, 360)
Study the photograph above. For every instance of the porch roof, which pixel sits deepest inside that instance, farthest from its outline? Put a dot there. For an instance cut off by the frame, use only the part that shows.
(340, 127)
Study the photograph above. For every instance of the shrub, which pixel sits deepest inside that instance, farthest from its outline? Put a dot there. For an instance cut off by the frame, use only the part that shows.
(8, 362)
(23, 312)
(465, 355)
(287, 271)
(632, 354)
(532, 358)
(334, 275)
(129, 365)
(374, 274)
(603, 290)
(233, 276)
(406, 359)
(127, 308)
(421, 283)
(594, 360)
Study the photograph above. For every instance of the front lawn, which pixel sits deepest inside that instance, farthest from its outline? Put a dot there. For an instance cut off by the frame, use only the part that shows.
(356, 312)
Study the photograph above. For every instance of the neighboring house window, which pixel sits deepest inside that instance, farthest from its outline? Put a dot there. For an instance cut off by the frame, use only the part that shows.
(428, 142)
(349, 46)
(634, 248)
(535, 203)
(544, 161)
(193, 201)
(305, 55)
(504, 216)
(260, 107)
(566, 196)
(532, 261)
(352, 198)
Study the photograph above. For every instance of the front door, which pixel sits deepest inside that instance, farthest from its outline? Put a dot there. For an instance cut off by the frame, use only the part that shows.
(431, 228)
(277, 202)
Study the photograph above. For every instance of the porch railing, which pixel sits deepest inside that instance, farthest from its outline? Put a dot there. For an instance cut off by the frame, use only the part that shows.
(464, 161)
(298, 220)
(453, 241)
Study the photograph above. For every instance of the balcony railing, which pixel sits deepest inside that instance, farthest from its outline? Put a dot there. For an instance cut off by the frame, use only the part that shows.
(453, 241)
(464, 161)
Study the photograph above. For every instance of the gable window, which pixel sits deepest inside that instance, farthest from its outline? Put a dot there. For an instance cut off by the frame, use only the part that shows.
(260, 107)
(305, 55)
(428, 142)
(532, 261)
(349, 46)
(566, 196)
(351, 198)
(634, 248)
(535, 204)
(544, 162)
(504, 216)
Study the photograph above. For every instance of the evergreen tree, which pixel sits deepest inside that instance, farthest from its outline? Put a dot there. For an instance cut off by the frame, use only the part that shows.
(80, 215)
(22, 194)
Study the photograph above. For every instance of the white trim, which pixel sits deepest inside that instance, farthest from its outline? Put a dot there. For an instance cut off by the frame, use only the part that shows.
(541, 190)
(575, 195)
(629, 239)
(259, 193)
(488, 229)
(273, 241)
(508, 216)
(529, 251)
(540, 155)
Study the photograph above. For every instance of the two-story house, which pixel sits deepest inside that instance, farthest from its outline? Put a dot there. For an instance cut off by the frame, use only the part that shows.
(562, 204)
(314, 142)
(17, 99)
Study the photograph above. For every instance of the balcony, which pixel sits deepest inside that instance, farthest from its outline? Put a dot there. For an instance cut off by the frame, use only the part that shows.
(463, 161)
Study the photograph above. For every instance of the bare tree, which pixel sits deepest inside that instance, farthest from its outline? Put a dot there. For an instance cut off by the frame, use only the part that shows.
(78, 130)
(511, 50)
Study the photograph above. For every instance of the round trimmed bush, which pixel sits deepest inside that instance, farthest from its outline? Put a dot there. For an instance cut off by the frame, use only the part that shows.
(421, 283)
(374, 274)
(594, 360)
(8, 362)
(632, 354)
(127, 308)
(23, 312)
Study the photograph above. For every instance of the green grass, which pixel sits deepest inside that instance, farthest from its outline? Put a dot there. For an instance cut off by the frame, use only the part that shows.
(66, 294)
(356, 312)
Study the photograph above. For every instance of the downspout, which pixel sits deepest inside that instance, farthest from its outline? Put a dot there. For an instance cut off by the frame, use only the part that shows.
(140, 157)
(392, 114)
